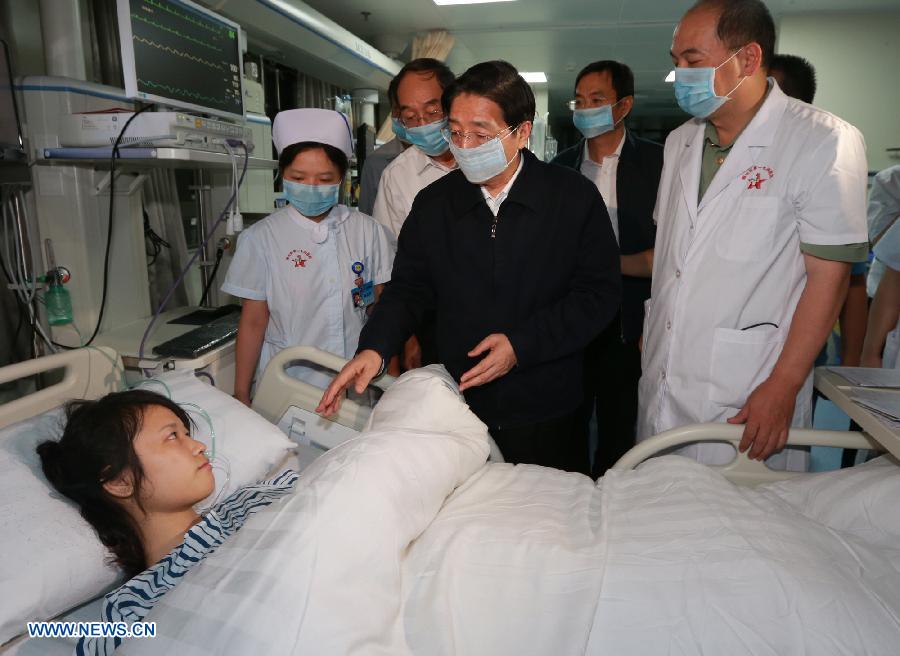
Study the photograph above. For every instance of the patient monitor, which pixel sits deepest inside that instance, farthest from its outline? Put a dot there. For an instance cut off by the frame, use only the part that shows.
(187, 62)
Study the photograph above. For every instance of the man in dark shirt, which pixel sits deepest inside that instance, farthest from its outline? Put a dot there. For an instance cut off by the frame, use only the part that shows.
(626, 171)
(518, 262)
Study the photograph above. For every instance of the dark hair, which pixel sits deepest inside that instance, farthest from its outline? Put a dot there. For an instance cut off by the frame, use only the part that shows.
(799, 76)
(741, 22)
(500, 82)
(336, 155)
(621, 76)
(97, 446)
(392, 92)
(424, 66)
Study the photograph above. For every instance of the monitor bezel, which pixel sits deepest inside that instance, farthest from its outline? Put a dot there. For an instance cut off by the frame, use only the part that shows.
(7, 70)
(129, 70)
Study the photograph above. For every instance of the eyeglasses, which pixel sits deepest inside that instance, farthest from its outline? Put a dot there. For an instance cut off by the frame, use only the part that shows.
(411, 120)
(460, 139)
(577, 103)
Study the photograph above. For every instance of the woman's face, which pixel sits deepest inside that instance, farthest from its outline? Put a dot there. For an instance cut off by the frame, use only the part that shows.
(312, 167)
(177, 473)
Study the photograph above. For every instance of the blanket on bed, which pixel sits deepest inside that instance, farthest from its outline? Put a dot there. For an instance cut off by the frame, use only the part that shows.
(403, 541)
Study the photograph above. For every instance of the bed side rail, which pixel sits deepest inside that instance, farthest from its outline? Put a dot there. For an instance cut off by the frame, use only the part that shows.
(88, 373)
(741, 470)
(277, 391)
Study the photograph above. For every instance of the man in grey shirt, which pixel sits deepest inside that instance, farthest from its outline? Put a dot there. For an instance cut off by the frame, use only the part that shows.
(376, 162)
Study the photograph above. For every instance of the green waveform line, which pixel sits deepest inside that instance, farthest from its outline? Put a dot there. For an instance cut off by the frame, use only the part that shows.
(178, 52)
(189, 19)
(181, 92)
(175, 32)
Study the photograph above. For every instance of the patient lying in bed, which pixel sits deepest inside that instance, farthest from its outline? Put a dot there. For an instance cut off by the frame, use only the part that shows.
(404, 541)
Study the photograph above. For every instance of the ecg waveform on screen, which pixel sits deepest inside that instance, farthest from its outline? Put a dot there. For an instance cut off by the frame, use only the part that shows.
(179, 91)
(188, 18)
(175, 32)
(179, 53)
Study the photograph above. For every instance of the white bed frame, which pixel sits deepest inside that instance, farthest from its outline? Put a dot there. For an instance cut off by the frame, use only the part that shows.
(92, 372)
(87, 373)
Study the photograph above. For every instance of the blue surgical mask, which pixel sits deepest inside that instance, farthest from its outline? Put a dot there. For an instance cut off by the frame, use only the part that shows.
(399, 129)
(311, 200)
(595, 121)
(483, 162)
(695, 89)
(428, 138)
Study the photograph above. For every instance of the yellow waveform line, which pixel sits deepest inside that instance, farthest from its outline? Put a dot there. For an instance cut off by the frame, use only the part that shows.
(175, 32)
(189, 19)
(184, 92)
(178, 52)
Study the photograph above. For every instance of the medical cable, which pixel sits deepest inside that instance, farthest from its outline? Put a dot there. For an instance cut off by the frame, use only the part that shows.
(220, 252)
(25, 289)
(109, 225)
(184, 271)
(217, 461)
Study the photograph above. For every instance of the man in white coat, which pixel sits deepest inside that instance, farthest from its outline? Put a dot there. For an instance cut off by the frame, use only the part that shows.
(761, 210)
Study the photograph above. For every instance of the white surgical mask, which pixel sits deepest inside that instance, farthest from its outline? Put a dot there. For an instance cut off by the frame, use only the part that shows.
(483, 162)
(695, 89)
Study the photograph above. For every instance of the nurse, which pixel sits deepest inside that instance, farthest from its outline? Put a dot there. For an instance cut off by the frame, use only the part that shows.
(310, 272)
(761, 211)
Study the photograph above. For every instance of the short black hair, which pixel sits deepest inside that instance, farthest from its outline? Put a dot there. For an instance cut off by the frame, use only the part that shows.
(500, 82)
(799, 76)
(621, 76)
(742, 22)
(336, 155)
(424, 66)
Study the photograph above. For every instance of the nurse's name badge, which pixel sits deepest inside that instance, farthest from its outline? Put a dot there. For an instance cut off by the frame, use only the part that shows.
(363, 295)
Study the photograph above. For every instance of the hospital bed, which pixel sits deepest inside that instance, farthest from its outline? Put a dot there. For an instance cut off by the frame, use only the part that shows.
(280, 399)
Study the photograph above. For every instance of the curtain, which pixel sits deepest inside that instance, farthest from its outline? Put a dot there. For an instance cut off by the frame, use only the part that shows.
(436, 44)
(163, 215)
(312, 92)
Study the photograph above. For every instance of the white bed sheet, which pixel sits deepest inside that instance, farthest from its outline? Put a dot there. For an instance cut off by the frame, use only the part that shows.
(667, 559)
(23, 646)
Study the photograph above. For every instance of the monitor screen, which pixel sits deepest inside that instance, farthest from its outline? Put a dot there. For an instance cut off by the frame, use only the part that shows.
(9, 117)
(177, 53)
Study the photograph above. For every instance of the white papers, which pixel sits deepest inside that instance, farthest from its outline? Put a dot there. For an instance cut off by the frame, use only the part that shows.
(866, 377)
(883, 404)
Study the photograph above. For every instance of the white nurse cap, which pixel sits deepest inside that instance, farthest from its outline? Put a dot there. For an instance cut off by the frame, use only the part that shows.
(324, 126)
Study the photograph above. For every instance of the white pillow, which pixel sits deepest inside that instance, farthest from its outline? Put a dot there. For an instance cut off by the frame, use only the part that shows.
(51, 558)
(250, 444)
(861, 500)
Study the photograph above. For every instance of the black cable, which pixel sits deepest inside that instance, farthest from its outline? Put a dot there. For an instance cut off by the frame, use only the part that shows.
(153, 243)
(22, 311)
(212, 276)
(112, 190)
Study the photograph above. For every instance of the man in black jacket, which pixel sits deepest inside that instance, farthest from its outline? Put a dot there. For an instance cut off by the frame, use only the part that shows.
(517, 260)
(626, 171)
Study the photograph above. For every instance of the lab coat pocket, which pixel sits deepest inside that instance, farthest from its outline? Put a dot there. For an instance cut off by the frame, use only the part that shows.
(748, 232)
(741, 360)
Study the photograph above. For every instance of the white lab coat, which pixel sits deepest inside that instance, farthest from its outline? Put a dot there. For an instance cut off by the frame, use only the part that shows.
(303, 272)
(734, 261)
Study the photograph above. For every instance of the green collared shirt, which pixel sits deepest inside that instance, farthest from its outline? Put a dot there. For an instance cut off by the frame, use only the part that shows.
(714, 156)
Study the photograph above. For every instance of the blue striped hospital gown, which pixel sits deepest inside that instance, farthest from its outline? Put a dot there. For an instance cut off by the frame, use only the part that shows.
(135, 599)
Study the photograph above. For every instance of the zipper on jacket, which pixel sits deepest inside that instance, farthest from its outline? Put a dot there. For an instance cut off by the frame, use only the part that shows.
(494, 226)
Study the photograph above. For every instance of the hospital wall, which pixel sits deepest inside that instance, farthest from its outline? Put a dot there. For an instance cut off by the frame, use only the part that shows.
(857, 59)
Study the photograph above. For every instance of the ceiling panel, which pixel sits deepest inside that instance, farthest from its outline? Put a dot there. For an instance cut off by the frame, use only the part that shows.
(554, 36)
